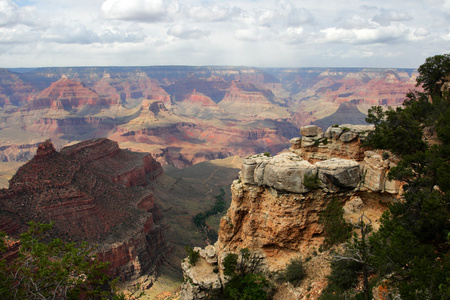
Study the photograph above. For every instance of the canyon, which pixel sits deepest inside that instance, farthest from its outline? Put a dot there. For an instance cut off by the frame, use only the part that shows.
(185, 115)
(275, 214)
(95, 192)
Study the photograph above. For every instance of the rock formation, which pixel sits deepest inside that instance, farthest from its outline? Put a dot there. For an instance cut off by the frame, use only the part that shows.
(93, 192)
(277, 200)
(185, 115)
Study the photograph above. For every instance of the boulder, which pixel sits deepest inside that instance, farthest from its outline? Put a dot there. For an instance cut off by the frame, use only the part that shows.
(296, 143)
(339, 173)
(284, 172)
(310, 130)
(308, 141)
(348, 136)
(353, 205)
(249, 165)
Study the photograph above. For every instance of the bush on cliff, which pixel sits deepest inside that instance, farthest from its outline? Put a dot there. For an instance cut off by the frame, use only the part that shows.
(53, 270)
(244, 283)
(294, 272)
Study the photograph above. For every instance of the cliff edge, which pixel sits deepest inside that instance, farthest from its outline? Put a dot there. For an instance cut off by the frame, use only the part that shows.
(276, 203)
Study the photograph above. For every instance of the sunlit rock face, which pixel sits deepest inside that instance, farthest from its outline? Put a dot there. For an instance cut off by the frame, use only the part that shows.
(92, 191)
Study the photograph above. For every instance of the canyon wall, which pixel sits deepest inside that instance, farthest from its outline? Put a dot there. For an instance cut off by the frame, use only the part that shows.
(275, 214)
(186, 115)
(93, 191)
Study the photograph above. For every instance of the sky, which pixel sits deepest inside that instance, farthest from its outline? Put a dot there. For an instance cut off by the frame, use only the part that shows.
(283, 33)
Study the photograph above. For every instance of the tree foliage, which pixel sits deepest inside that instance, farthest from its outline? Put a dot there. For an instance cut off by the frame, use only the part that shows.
(53, 270)
(411, 247)
(336, 230)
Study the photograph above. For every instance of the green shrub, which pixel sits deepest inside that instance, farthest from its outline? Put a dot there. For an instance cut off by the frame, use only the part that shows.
(385, 155)
(311, 182)
(267, 154)
(294, 272)
(193, 256)
(336, 230)
(230, 263)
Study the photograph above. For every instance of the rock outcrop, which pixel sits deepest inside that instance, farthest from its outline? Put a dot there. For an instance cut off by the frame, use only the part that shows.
(93, 192)
(277, 201)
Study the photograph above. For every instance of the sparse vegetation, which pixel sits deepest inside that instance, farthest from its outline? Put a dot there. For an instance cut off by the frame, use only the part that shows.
(199, 219)
(267, 154)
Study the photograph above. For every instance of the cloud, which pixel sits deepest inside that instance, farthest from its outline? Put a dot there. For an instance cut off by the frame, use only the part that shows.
(186, 33)
(386, 17)
(212, 12)
(139, 10)
(11, 14)
(380, 34)
(20, 34)
(75, 33)
(285, 13)
(249, 35)
(293, 35)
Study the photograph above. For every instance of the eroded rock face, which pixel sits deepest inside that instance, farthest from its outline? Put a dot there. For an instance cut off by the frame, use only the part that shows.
(274, 214)
(92, 192)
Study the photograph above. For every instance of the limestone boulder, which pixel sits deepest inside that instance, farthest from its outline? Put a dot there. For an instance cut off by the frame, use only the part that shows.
(308, 141)
(310, 130)
(338, 173)
(284, 172)
(249, 165)
(348, 136)
(296, 143)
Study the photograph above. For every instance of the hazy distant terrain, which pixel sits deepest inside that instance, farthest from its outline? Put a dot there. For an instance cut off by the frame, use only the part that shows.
(184, 115)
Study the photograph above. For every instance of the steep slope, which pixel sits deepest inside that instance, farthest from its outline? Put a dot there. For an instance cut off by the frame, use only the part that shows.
(93, 192)
(347, 113)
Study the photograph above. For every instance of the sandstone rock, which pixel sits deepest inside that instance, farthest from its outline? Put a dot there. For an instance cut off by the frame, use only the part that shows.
(284, 172)
(353, 205)
(249, 165)
(209, 254)
(348, 136)
(310, 130)
(296, 143)
(339, 173)
(308, 141)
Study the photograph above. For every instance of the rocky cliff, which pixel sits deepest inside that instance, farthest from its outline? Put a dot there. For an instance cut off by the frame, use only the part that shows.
(93, 192)
(276, 214)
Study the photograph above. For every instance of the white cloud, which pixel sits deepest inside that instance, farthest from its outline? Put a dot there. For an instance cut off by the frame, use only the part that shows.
(386, 17)
(187, 33)
(247, 35)
(212, 12)
(139, 10)
(380, 34)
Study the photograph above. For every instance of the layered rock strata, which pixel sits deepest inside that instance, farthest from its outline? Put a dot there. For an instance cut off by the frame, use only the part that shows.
(276, 203)
(93, 192)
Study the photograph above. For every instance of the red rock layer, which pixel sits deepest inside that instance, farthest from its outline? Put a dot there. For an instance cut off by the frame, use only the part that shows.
(92, 192)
